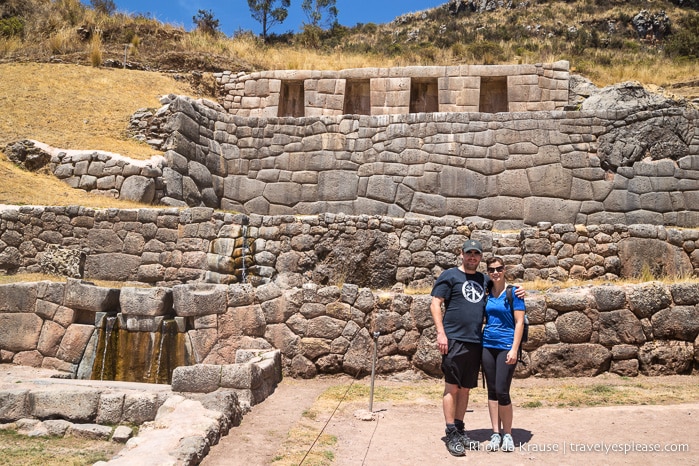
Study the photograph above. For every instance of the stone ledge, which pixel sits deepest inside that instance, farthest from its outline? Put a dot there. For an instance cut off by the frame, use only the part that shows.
(180, 430)
(253, 377)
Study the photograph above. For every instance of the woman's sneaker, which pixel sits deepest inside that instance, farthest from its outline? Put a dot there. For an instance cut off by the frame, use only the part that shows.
(494, 443)
(508, 444)
(454, 444)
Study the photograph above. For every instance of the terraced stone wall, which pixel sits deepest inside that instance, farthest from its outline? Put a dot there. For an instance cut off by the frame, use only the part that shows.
(649, 328)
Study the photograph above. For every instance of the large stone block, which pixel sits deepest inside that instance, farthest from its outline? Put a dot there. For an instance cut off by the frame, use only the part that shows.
(199, 299)
(554, 210)
(200, 378)
(86, 296)
(141, 407)
(621, 326)
(138, 189)
(18, 297)
(243, 320)
(574, 327)
(74, 342)
(567, 360)
(336, 185)
(70, 404)
(14, 405)
(112, 267)
(661, 258)
(241, 188)
(241, 376)
(19, 332)
(110, 408)
(666, 358)
(50, 338)
(146, 301)
(648, 298)
(102, 240)
(676, 323)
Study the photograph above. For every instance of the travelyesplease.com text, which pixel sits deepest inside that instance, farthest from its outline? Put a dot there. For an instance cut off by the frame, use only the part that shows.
(603, 447)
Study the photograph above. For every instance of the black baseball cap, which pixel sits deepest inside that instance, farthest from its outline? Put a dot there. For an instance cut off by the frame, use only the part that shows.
(472, 245)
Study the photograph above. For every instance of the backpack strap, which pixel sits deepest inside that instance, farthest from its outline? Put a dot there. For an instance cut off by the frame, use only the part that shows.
(509, 296)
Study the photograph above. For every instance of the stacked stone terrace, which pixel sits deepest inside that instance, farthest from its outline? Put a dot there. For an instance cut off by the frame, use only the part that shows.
(384, 91)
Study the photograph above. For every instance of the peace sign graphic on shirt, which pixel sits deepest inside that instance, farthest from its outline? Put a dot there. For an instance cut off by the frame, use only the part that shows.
(473, 291)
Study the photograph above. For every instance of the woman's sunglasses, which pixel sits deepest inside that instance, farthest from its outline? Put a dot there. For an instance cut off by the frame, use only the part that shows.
(496, 269)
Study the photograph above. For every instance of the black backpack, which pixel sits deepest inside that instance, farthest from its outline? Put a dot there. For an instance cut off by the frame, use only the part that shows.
(509, 295)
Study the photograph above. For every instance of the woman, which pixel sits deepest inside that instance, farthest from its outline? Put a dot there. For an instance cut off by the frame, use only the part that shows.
(502, 336)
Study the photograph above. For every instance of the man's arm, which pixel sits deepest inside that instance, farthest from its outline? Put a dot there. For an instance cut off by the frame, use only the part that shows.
(436, 310)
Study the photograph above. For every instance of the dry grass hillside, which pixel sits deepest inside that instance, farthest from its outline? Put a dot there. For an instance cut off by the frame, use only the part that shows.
(72, 107)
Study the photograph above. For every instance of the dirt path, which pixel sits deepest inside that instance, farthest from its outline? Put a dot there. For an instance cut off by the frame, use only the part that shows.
(410, 434)
(265, 427)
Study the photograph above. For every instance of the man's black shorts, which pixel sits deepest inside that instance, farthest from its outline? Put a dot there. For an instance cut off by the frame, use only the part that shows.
(462, 363)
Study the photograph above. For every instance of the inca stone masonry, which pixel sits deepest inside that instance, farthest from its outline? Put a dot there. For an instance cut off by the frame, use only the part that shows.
(493, 142)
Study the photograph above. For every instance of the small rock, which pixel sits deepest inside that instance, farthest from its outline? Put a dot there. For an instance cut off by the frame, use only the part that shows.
(90, 431)
(122, 434)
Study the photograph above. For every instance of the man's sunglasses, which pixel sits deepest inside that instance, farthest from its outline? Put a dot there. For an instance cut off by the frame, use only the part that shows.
(496, 269)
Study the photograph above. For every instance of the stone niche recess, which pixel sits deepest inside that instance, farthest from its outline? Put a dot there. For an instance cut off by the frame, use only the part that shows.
(400, 90)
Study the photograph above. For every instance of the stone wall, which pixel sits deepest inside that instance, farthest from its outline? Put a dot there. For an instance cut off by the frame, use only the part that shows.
(166, 247)
(520, 167)
(635, 164)
(400, 90)
(647, 328)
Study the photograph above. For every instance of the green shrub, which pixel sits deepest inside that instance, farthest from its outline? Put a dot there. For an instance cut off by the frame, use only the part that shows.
(11, 27)
(631, 46)
(106, 7)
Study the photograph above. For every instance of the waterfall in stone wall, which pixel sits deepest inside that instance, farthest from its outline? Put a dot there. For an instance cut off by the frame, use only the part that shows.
(231, 259)
(132, 356)
(140, 340)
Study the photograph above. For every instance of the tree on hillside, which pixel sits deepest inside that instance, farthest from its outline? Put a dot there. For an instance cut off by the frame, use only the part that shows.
(267, 13)
(317, 10)
(106, 7)
(206, 22)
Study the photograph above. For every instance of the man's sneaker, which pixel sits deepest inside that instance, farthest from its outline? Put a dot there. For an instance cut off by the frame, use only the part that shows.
(508, 444)
(468, 442)
(494, 443)
(454, 444)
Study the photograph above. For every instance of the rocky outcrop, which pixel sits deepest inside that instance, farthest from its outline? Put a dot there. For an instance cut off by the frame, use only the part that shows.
(657, 132)
(27, 155)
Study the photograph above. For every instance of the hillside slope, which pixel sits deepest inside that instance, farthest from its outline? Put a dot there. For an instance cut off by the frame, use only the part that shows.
(72, 107)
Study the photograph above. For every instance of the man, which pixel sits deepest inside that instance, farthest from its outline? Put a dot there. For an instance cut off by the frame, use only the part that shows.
(462, 292)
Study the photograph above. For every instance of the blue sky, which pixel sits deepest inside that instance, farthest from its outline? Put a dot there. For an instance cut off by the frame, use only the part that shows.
(235, 14)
